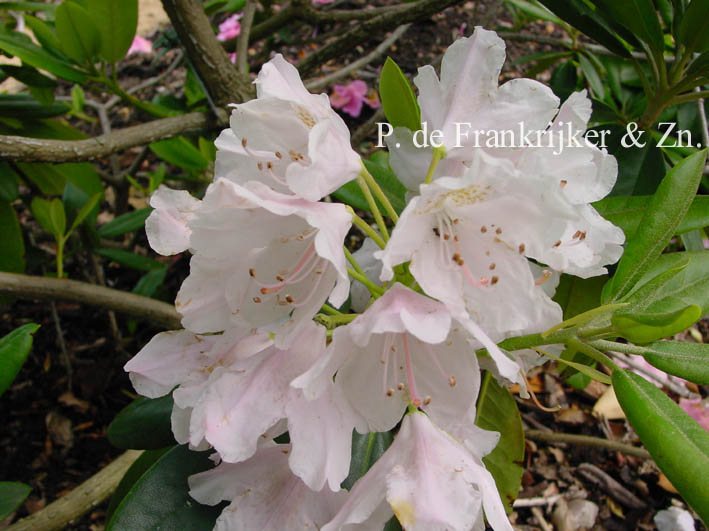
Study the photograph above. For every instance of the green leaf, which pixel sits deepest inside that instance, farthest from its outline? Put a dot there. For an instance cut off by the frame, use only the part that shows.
(14, 349)
(45, 176)
(627, 213)
(640, 169)
(27, 6)
(50, 215)
(160, 498)
(580, 367)
(12, 495)
(639, 16)
(150, 282)
(116, 23)
(85, 211)
(12, 246)
(592, 76)
(665, 211)
(692, 29)
(678, 445)
(398, 100)
(143, 424)
(45, 35)
(497, 411)
(180, 152)
(679, 358)
(33, 55)
(125, 223)
(366, 449)
(576, 295)
(29, 76)
(27, 107)
(78, 35)
(128, 259)
(134, 473)
(9, 190)
(643, 327)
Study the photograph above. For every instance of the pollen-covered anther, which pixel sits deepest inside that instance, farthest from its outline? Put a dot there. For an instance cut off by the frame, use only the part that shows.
(494, 280)
(493, 266)
(446, 237)
(483, 229)
(257, 299)
(557, 244)
(243, 142)
(498, 230)
(269, 165)
(400, 387)
(563, 183)
(427, 400)
(295, 156)
(390, 392)
(451, 381)
(546, 275)
(521, 248)
(278, 155)
(252, 273)
(458, 259)
(289, 299)
(260, 166)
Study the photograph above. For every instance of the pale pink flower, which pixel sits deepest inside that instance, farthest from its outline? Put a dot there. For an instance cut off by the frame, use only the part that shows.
(698, 409)
(140, 45)
(287, 138)
(232, 57)
(166, 225)
(230, 28)
(429, 480)
(351, 97)
(264, 494)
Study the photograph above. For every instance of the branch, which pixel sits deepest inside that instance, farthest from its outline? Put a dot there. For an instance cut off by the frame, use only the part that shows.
(364, 31)
(242, 43)
(30, 287)
(319, 16)
(82, 499)
(586, 440)
(23, 149)
(225, 84)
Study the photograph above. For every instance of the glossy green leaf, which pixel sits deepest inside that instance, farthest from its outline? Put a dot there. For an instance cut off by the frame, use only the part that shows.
(678, 445)
(627, 212)
(27, 6)
(143, 424)
(665, 211)
(679, 358)
(576, 295)
(12, 245)
(398, 101)
(85, 211)
(29, 76)
(640, 169)
(77, 32)
(14, 349)
(693, 27)
(33, 55)
(12, 494)
(50, 215)
(366, 449)
(180, 152)
(592, 76)
(45, 35)
(125, 223)
(116, 23)
(26, 106)
(139, 467)
(128, 259)
(643, 327)
(535, 11)
(497, 411)
(160, 498)
(639, 16)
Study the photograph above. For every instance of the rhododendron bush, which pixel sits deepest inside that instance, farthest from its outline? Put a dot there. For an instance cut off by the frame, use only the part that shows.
(358, 317)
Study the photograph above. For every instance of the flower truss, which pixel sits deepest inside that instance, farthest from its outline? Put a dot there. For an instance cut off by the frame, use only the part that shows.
(473, 259)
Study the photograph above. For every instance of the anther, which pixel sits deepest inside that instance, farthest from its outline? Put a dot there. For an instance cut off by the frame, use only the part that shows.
(557, 244)
(260, 166)
(269, 165)
(257, 299)
(483, 229)
(492, 266)
(252, 273)
(278, 155)
(390, 392)
(546, 275)
(427, 401)
(436, 232)
(451, 381)
(416, 402)
(498, 230)
(243, 142)
(563, 183)
(494, 279)
(521, 248)
(400, 387)
(446, 237)
(289, 299)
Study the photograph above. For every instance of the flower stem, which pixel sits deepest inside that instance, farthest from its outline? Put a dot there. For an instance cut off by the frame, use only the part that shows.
(376, 291)
(379, 193)
(364, 227)
(326, 308)
(60, 256)
(438, 154)
(593, 353)
(333, 321)
(353, 262)
(373, 207)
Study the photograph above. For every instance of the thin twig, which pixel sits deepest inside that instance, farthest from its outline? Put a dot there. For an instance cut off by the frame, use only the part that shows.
(586, 440)
(317, 84)
(30, 287)
(536, 502)
(616, 490)
(64, 353)
(82, 499)
(539, 517)
(242, 43)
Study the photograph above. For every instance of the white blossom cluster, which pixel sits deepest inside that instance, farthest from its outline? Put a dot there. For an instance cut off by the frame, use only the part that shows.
(459, 272)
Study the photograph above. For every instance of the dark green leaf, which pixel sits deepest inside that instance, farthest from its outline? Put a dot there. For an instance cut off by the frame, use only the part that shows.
(85, 211)
(33, 55)
(564, 79)
(45, 176)
(679, 358)
(29, 76)
(46, 36)
(50, 215)
(366, 449)
(639, 16)
(116, 23)
(128, 259)
(398, 100)
(576, 295)
(134, 473)
(14, 349)
(27, 6)
(8, 183)
(592, 76)
(12, 495)
(150, 282)
(497, 411)
(627, 212)
(160, 498)
(125, 223)
(640, 169)
(26, 106)
(180, 152)
(676, 442)
(143, 424)
(12, 246)
(77, 32)
(665, 211)
(692, 29)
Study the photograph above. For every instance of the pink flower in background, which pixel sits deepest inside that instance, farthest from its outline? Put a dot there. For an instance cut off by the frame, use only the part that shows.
(697, 409)
(232, 57)
(230, 28)
(140, 45)
(350, 97)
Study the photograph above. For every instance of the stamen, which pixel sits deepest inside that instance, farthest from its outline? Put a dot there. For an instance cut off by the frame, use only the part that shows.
(390, 392)
(451, 381)
(314, 288)
(546, 275)
(385, 360)
(291, 276)
(413, 395)
(427, 400)
(521, 248)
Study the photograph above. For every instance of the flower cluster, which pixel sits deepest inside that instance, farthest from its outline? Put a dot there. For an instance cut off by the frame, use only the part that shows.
(459, 272)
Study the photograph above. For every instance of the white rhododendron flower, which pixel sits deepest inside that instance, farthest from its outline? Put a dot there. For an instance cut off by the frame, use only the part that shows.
(429, 480)
(287, 138)
(264, 494)
(167, 225)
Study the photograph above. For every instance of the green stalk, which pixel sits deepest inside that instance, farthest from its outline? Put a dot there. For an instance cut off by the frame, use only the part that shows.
(376, 291)
(379, 193)
(438, 154)
(364, 227)
(373, 207)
